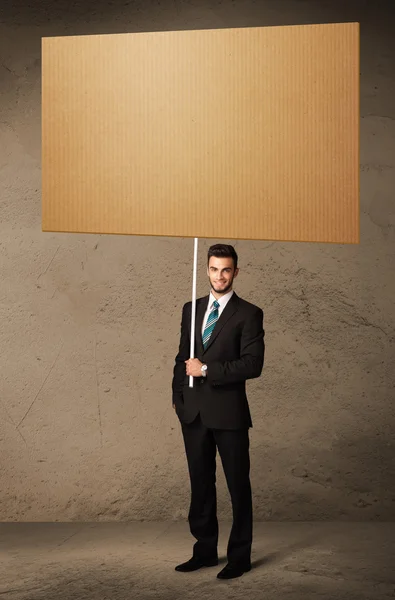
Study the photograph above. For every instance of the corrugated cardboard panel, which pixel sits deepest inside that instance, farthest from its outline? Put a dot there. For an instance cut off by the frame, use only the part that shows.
(247, 133)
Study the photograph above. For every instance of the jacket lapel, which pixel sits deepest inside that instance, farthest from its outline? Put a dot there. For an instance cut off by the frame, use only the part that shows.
(200, 310)
(201, 307)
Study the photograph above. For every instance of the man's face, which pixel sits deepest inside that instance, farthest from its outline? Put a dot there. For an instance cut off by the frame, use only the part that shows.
(221, 273)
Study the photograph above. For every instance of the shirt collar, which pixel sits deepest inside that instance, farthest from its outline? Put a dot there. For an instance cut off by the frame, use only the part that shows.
(222, 301)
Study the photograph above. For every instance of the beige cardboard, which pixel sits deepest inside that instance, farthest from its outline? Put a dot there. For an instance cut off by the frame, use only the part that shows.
(248, 133)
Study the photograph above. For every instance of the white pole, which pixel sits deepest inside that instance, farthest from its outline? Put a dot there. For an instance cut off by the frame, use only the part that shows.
(192, 349)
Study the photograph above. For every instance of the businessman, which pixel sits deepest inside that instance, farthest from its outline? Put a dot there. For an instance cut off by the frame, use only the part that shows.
(214, 413)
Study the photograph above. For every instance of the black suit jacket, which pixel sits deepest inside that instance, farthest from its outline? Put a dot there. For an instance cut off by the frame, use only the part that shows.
(235, 353)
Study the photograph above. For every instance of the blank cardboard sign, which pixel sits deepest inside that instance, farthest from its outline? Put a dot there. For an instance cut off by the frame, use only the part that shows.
(247, 133)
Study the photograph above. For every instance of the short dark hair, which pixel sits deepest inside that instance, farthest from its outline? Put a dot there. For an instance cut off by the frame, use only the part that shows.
(222, 251)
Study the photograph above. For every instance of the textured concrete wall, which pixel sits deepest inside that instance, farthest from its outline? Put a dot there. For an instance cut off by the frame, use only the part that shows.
(90, 323)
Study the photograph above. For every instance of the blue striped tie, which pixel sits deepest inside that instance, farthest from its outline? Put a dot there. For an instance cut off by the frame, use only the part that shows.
(211, 321)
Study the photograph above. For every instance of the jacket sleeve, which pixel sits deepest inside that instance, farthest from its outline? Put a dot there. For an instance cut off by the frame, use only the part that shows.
(250, 363)
(180, 370)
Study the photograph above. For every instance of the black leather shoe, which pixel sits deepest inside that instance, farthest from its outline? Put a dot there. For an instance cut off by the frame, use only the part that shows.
(232, 571)
(195, 563)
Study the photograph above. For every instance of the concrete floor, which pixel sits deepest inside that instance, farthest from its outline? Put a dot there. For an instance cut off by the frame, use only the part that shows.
(136, 560)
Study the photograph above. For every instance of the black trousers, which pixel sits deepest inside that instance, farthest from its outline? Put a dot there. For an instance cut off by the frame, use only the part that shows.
(201, 447)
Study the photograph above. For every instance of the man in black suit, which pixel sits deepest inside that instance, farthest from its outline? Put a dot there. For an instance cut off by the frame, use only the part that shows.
(214, 413)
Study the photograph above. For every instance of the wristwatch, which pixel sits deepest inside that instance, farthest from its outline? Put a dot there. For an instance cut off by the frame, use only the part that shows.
(204, 370)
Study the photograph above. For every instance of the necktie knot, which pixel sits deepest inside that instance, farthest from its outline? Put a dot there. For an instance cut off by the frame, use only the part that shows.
(216, 304)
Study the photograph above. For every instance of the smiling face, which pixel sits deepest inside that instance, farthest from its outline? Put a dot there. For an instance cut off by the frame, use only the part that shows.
(221, 273)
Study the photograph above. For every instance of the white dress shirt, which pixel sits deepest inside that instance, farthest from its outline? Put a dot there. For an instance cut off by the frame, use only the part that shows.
(223, 301)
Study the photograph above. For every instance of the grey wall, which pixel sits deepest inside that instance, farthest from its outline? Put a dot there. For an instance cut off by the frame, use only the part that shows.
(90, 323)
